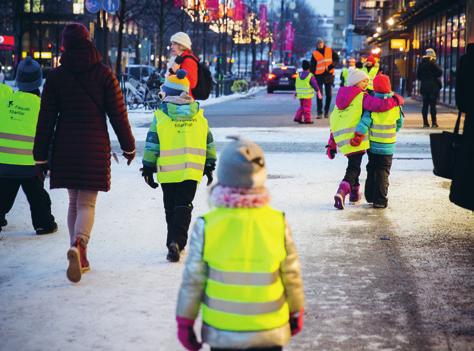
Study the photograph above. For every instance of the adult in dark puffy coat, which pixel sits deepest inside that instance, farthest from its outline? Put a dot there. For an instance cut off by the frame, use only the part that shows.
(462, 191)
(429, 74)
(72, 123)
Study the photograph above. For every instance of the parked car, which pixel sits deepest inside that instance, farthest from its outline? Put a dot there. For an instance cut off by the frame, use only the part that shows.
(139, 72)
(281, 78)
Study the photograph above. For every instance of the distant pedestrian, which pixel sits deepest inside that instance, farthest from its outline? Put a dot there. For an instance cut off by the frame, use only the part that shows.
(2, 75)
(351, 64)
(183, 57)
(77, 97)
(462, 190)
(350, 103)
(306, 85)
(371, 67)
(18, 117)
(380, 128)
(323, 61)
(180, 149)
(429, 74)
(242, 269)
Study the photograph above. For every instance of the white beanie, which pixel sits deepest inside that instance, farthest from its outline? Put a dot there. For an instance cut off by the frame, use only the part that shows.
(355, 76)
(430, 53)
(182, 39)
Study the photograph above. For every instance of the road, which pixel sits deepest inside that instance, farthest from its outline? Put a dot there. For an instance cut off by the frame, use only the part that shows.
(394, 279)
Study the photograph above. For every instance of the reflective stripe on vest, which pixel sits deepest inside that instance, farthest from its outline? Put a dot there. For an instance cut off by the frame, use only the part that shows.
(323, 62)
(372, 74)
(18, 118)
(304, 90)
(244, 248)
(182, 147)
(384, 126)
(343, 125)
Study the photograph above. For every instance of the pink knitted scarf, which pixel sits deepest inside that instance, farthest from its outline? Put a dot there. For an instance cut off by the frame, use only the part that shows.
(224, 196)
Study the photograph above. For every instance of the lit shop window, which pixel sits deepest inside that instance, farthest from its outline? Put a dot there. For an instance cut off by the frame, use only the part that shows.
(34, 6)
(78, 7)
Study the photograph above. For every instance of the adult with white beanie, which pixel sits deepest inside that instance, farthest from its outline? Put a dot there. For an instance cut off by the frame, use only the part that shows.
(429, 74)
(183, 57)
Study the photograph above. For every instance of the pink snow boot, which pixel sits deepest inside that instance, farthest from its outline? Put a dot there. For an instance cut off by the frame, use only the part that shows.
(355, 195)
(340, 197)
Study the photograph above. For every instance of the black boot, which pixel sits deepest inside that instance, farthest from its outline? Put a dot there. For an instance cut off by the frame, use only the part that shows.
(425, 122)
(49, 229)
(434, 123)
(3, 222)
(173, 252)
(181, 222)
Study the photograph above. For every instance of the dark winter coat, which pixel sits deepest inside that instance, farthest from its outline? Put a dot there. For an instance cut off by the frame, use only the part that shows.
(76, 126)
(462, 190)
(429, 74)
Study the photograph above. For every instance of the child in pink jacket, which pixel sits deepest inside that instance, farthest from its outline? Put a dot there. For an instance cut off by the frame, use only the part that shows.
(357, 83)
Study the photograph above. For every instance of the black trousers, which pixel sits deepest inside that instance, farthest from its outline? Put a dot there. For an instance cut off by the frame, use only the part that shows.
(327, 93)
(376, 185)
(275, 348)
(38, 198)
(178, 198)
(353, 169)
(429, 100)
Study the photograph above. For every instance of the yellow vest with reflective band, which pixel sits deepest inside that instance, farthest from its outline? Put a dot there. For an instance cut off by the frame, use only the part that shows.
(343, 124)
(345, 74)
(384, 126)
(243, 248)
(18, 119)
(372, 74)
(183, 144)
(304, 90)
(5, 91)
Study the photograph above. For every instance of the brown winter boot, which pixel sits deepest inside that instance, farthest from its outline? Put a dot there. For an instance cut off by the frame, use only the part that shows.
(78, 264)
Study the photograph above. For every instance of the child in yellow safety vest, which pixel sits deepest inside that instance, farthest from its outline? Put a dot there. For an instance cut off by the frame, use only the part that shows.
(180, 149)
(242, 268)
(381, 128)
(306, 85)
(350, 103)
(18, 119)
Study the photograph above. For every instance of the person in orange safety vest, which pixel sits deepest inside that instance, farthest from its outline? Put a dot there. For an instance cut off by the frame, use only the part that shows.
(323, 61)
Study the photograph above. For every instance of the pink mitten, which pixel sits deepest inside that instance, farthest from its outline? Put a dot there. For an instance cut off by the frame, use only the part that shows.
(331, 148)
(186, 334)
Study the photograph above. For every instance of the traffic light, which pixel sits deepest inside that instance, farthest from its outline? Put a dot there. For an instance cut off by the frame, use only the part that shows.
(50, 46)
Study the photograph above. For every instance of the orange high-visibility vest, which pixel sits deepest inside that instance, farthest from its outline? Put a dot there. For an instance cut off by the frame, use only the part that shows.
(323, 62)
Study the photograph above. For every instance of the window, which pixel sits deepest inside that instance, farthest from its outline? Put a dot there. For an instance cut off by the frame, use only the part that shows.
(34, 6)
(340, 13)
(78, 7)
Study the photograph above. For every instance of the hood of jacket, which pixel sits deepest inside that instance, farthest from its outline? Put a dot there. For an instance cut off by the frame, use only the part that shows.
(346, 95)
(182, 111)
(81, 59)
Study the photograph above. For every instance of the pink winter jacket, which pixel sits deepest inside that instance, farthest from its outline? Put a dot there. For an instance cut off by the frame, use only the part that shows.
(345, 96)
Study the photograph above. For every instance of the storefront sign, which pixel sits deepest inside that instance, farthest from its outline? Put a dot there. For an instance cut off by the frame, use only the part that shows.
(7, 40)
(397, 44)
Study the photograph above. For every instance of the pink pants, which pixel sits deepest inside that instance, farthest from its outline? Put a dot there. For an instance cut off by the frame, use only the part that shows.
(304, 111)
(80, 216)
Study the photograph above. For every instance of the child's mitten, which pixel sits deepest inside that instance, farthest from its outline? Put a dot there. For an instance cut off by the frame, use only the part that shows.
(186, 334)
(357, 139)
(147, 174)
(296, 322)
(331, 148)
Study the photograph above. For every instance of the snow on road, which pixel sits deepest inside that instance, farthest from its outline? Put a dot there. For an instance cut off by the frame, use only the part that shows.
(357, 285)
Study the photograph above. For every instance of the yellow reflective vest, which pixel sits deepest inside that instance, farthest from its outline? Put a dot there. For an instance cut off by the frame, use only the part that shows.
(183, 145)
(18, 118)
(304, 90)
(243, 249)
(372, 74)
(343, 124)
(384, 126)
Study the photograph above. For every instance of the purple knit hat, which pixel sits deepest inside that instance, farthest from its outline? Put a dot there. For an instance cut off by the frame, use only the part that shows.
(75, 35)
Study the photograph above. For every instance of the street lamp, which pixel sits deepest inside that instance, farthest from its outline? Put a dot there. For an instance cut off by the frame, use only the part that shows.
(391, 21)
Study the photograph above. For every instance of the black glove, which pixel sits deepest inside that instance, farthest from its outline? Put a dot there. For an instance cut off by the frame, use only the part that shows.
(179, 60)
(208, 174)
(147, 174)
(41, 170)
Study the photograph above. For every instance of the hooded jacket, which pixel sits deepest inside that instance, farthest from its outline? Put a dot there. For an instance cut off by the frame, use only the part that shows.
(429, 74)
(76, 126)
(195, 277)
(188, 109)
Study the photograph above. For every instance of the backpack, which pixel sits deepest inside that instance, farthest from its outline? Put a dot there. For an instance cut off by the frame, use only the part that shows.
(203, 88)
